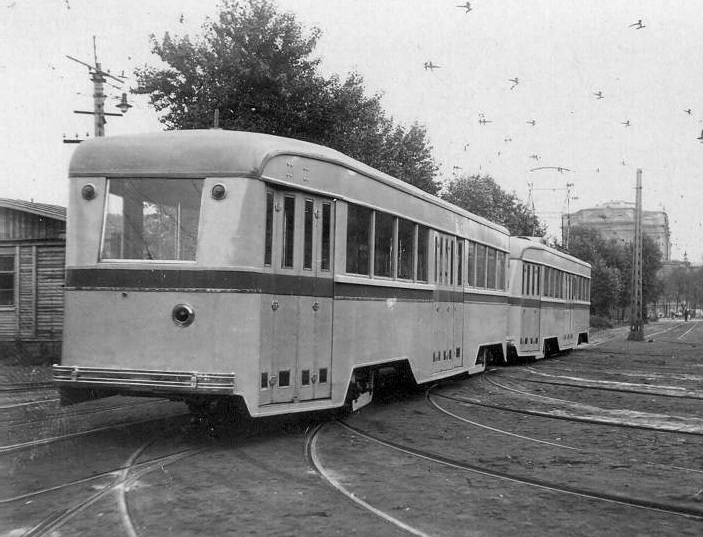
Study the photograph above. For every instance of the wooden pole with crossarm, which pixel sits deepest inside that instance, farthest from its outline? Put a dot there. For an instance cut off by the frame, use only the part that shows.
(636, 323)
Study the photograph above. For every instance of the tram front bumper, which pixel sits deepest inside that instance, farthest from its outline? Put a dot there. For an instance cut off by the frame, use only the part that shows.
(78, 384)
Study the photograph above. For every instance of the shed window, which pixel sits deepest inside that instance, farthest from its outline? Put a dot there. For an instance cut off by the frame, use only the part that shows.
(7, 280)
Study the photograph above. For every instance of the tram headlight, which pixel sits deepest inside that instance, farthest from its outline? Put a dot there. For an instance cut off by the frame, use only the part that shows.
(183, 314)
(218, 192)
(88, 192)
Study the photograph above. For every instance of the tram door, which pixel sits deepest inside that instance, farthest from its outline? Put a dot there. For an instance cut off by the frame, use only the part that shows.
(449, 318)
(296, 315)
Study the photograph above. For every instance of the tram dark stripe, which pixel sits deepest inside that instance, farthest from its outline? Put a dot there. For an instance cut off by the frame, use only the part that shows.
(200, 280)
(237, 281)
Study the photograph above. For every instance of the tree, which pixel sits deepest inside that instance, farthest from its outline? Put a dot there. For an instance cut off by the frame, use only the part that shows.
(481, 195)
(611, 270)
(255, 66)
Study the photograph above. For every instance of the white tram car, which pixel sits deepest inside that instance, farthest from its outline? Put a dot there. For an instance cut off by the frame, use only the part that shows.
(209, 266)
(549, 300)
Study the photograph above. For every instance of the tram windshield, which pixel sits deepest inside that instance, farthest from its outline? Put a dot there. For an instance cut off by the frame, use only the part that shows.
(151, 219)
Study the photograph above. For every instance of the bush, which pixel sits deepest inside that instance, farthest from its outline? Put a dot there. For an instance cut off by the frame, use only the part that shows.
(600, 323)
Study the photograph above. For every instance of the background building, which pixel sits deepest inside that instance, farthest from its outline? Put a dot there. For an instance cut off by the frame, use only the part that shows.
(616, 219)
(32, 258)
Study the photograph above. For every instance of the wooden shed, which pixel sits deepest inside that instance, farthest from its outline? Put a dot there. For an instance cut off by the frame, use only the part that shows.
(32, 259)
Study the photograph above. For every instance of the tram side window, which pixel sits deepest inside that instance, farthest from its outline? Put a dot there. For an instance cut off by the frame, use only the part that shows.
(326, 236)
(406, 243)
(268, 239)
(491, 270)
(500, 266)
(460, 262)
(307, 235)
(471, 263)
(423, 237)
(288, 231)
(536, 280)
(358, 234)
(480, 266)
(383, 245)
(151, 219)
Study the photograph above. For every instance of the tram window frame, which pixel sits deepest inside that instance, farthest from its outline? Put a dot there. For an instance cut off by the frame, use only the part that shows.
(383, 238)
(481, 264)
(288, 239)
(491, 258)
(422, 234)
(359, 236)
(452, 260)
(501, 270)
(471, 263)
(406, 238)
(460, 262)
(308, 234)
(326, 244)
(8, 280)
(268, 234)
(151, 219)
(525, 278)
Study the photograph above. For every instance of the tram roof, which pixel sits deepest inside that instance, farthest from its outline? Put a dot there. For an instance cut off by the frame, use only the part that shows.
(521, 247)
(210, 153)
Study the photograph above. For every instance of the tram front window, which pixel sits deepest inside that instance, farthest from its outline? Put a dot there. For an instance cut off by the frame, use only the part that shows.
(151, 219)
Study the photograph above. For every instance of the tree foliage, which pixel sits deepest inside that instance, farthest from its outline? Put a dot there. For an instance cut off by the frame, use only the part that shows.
(611, 270)
(255, 65)
(481, 195)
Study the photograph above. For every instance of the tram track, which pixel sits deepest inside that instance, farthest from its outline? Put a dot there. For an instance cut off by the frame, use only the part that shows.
(613, 498)
(614, 461)
(121, 482)
(78, 411)
(612, 386)
(60, 438)
(614, 418)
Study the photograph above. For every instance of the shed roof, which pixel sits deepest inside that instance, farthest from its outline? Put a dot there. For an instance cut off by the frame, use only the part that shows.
(42, 209)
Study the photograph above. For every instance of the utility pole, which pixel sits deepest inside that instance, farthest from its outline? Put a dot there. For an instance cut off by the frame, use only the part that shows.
(636, 324)
(99, 79)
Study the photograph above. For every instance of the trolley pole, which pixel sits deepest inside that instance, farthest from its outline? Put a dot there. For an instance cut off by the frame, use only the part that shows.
(636, 324)
(98, 100)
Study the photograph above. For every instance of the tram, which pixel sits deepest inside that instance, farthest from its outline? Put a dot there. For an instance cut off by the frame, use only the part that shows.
(212, 266)
(549, 300)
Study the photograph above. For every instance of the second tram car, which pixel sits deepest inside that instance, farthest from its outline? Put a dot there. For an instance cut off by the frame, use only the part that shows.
(215, 266)
(549, 300)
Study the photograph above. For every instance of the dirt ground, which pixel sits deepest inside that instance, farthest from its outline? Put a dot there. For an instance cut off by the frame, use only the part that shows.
(607, 440)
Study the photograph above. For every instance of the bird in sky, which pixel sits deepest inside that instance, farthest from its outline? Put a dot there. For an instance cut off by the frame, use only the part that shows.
(483, 121)
(638, 25)
(466, 6)
(688, 111)
(560, 169)
(623, 163)
(507, 139)
(431, 66)
(535, 156)
(626, 123)
(599, 95)
(466, 146)
(532, 122)
(515, 82)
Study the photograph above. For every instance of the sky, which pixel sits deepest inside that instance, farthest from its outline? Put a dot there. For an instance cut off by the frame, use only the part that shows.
(561, 53)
